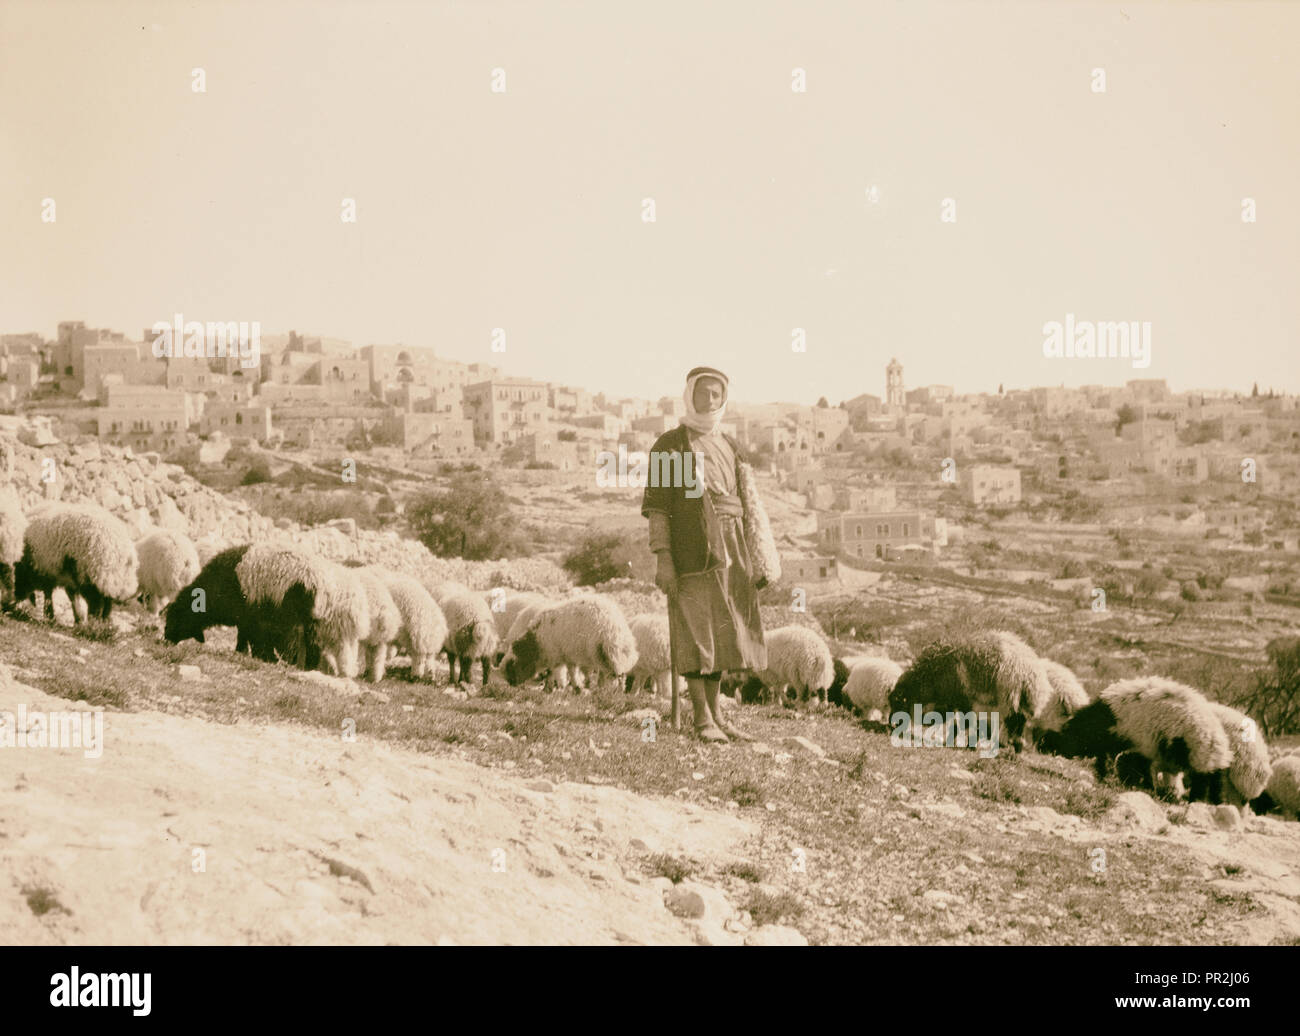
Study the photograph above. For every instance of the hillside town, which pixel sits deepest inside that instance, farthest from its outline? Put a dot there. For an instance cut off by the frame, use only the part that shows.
(887, 476)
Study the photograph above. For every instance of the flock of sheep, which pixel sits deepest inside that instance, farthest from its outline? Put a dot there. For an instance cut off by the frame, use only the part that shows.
(289, 603)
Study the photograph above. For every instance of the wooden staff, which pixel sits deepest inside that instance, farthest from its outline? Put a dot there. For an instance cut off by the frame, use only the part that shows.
(672, 663)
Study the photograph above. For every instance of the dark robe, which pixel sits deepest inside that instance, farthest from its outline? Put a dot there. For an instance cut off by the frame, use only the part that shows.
(715, 617)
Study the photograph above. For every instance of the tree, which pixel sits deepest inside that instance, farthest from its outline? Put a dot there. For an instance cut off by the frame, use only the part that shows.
(823, 404)
(471, 518)
(1254, 391)
(1126, 415)
(609, 554)
(1000, 392)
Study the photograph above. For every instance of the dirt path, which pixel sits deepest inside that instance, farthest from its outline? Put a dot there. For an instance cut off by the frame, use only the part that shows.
(309, 839)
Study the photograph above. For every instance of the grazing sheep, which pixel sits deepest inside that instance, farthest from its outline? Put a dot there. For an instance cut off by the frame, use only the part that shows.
(512, 602)
(1171, 725)
(423, 626)
(385, 619)
(869, 684)
(588, 631)
(83, 549)
(653, 663)
(556, 678)
(1283, 790)
(991, 671)
(315, 606)
(1068, 697)
(799, 658)
(13, 526)
(168, 560)
(215, 598)
(1250, 770)
(471, 634)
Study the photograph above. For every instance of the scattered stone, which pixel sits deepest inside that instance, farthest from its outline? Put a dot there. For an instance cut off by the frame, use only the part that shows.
(697, 776)
(960, 774)
(684, 902)
(1227, 817)
(802, 744)
(1137, 809)
(771, 807)
(189, 672)
(543, 786)
(939, 899)
(760, 748)
(1201, 815)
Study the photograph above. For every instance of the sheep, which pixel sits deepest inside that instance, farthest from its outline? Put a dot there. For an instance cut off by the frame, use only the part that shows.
(385, 619)
(1250, 769)
(799, 658)
(13, 527)
(83, 549)
(992, 671)
(1170, 724)
(1068, 697)
(1283, 790)
(168, 560)
(506, 604)
(588, 631)
(215, 598)
(471, 634)
(314, 605)
(654, 664)
(423, 626)
(869, 684)
(557, 677)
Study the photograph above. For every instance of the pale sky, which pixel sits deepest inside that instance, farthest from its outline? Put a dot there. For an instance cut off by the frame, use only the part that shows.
(523, 210)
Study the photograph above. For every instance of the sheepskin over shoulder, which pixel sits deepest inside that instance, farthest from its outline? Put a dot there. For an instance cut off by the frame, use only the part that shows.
(765, 559)
(1151, 712)
(100, 545)
(798, 657)
(1250, 769)
(168, 560)
(13, 527)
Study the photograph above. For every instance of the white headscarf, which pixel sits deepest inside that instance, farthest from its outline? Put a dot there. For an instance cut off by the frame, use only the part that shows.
(708, 421)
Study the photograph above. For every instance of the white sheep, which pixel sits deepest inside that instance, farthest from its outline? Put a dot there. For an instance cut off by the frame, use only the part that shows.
(991, 671)
(1170, 724)
(423, 626)
(506, 603)
(1250, 769)
(797, 657)
(653, 660)
(315, 607)
(83, 549)
(1068, 697)
(471, 634)
(385, 621)
(168, 560)
(1283, 789)
(588, 631)
(13, 526)
(869, 683)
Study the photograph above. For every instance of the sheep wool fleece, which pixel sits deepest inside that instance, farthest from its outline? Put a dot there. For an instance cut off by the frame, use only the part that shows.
(715, 617)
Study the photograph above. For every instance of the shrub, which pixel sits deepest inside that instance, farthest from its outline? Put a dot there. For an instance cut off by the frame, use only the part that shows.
(258, 471)
(610, 554)
(470, 519)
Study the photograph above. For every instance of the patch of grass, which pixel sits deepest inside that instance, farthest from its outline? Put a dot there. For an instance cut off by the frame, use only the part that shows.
(99, 631)
(288, 704)
(531, 727)
(1090, 803)
(746, 793)
(675, 869)
(41, 900)
(996, 787)
(76, 684)
(771, 908)
(744, 871)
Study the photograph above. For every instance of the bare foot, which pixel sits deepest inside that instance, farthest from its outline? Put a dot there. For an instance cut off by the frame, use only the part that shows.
(711, 734)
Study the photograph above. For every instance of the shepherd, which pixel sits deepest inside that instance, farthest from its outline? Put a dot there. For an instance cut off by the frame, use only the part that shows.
(714, 552)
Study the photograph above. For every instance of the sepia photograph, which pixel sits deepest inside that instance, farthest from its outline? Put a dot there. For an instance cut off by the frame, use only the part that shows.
(479, 473)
